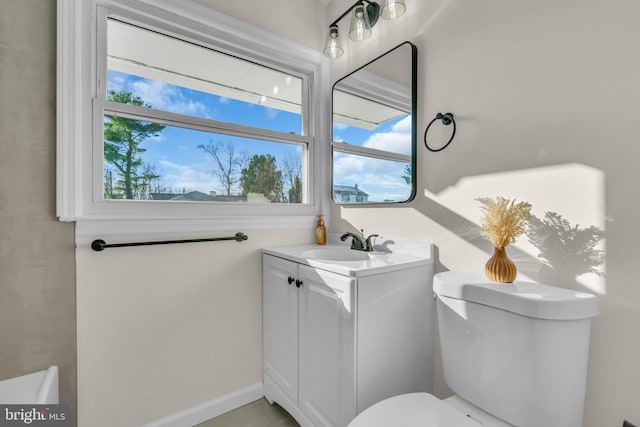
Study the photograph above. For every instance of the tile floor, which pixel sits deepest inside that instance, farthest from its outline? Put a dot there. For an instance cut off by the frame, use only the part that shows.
(256, 414)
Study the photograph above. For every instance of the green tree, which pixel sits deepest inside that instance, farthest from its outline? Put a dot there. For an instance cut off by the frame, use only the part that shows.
(406, 173)
(261, 175)
(122, 139)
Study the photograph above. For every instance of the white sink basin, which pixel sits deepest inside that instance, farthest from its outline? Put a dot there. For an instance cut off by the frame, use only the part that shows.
(341, 259)
(336, 253)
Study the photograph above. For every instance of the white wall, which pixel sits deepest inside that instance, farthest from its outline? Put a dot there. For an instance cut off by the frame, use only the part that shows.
(546, 99)
(300, 20)
(163, 329)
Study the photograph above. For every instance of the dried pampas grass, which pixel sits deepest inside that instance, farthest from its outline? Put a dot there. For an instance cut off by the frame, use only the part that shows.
(504, 220)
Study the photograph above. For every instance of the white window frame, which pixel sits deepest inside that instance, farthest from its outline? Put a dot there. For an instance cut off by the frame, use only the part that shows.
(79, 109)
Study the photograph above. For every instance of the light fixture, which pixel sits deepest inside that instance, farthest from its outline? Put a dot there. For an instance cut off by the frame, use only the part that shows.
(360, 28)
(365, 16)
(391, 9)
(332, 45)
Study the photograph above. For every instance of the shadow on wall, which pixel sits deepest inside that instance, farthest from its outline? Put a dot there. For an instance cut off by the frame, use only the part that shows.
(566, 251)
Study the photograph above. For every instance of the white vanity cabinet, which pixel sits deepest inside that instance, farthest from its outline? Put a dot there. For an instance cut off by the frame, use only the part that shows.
(334, 344)
(280, 324)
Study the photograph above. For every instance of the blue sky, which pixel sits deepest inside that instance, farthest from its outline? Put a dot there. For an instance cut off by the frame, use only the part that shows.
(175, 151)
(175, 155)
(382, 180)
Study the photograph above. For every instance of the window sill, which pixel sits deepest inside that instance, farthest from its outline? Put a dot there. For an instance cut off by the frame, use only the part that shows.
(234, 224)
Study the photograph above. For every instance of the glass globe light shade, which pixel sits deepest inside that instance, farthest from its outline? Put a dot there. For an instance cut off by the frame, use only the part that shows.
(332, 45)
(391, 9)
(360, 29)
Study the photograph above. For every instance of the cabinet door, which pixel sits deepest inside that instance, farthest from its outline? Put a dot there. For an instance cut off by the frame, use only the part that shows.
(327, 348)
(280, 324)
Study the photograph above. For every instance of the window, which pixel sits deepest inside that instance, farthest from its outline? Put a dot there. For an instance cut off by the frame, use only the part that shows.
(197, 119)
(237, 132)
(238, 127)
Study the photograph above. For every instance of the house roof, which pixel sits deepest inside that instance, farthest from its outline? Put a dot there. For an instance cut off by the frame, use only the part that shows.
(348, 189)
(197, 196)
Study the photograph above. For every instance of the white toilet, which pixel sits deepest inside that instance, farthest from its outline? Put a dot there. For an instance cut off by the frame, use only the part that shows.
(515, 355)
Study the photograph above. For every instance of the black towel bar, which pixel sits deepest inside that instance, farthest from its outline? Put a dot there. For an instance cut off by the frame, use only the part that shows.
(100, 245)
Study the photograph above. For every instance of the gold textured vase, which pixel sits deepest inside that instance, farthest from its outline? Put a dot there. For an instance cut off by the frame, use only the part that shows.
(500, 268)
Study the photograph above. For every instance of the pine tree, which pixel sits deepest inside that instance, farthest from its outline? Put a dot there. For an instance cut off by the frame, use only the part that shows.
(122, 139)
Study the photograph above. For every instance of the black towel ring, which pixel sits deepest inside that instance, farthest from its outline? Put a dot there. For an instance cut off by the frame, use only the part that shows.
(447, 119)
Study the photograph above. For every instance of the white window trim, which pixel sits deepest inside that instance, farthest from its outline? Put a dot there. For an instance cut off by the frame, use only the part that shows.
(341, 147)
(76, 74)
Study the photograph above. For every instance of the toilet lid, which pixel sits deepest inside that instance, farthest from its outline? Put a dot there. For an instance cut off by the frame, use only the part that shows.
(524, 298)
(412, 410)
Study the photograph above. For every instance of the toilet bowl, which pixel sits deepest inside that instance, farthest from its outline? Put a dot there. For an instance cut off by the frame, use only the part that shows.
(425, 410)
(515, 355)
(413, 410)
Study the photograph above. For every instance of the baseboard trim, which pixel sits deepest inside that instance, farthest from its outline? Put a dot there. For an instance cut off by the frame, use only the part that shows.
(211, 409)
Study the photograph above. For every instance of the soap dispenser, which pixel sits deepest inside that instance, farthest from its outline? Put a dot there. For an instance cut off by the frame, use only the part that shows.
(321, 231)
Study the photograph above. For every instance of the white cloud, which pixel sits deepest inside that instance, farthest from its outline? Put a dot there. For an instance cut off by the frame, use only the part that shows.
(403, 126)
(181, 176)
(163, 96)
(271, 113)
(117, 82)
(348, 166)
(382, 180)
(398, 140)
(385, 186)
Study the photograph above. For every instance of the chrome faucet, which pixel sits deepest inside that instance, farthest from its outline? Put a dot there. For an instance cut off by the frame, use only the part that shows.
(358, 242)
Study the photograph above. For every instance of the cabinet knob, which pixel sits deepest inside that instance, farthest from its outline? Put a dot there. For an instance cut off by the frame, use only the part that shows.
(298, 283)
(290, 279)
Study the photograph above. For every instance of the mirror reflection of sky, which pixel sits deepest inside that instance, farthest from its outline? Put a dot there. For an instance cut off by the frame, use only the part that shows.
(381, 180)
(183, 166)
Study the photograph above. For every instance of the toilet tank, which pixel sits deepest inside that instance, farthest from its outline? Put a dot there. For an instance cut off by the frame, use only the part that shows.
(518, 351)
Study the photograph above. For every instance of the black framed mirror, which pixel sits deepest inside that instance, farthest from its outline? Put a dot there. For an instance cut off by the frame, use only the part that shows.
(374, 130)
